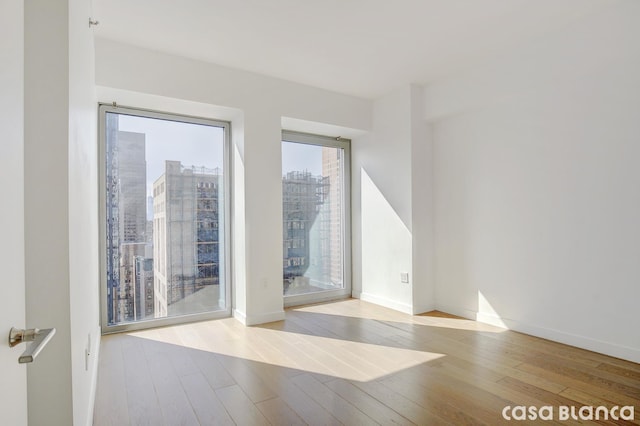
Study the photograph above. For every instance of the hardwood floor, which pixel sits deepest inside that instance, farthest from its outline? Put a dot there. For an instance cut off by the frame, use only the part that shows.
(352, 363)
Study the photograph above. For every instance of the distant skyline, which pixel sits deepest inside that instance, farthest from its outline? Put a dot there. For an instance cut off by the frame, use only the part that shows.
(202, 146)
(191, 144)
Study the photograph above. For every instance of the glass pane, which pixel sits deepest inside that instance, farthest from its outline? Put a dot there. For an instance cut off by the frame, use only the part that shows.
(165, 193)
(312, 185)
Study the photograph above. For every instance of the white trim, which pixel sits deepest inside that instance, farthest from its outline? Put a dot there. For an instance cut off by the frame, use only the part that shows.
(317, 128)
(240, 316)
(315, 297)
(387, 303)
(265, 318)
(249, 320)
(460, 312)
(588, 343)
(491, 319)
(583, 342)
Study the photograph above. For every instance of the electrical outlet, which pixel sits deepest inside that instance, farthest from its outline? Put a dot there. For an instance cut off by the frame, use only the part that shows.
(404, 277)
(87, 352)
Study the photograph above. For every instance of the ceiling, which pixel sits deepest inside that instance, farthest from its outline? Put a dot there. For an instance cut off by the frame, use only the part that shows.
(364, 48)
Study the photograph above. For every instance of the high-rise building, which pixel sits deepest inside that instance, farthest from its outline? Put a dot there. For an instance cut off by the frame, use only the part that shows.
(132, 171)
(126, 218)
(186, 247)
(144, 300)
(112, 215)
(333, 212)
(132, 193)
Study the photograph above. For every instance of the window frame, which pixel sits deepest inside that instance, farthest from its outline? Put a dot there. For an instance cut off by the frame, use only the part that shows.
(345, 145)
(103, 110)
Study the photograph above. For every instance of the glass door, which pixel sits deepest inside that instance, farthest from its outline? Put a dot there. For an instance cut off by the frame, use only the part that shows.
(316, 244)
(164, 218)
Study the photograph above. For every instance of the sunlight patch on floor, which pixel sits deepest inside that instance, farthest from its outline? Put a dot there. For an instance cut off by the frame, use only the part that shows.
(315, 354)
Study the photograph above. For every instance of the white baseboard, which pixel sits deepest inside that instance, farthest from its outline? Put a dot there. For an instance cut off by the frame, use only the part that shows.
(607, 348)
(240, 316)
(491, 320)
(588, 343)
(460, 312)
(415, 310)
(387, 303)
(249, 320)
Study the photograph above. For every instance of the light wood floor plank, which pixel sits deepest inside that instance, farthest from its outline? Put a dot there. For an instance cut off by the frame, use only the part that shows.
(279, 413)
(111, 408)
(332, 402)
(144, 407)
(398, 403)
(348, 362)
(310, 411)
(241, 408)
(367, 404)
(433, 392)
(252, 385)
(205, 403)
(571, 382)
(215, 374)
(174, 404)
(498, 364)
(590, 400)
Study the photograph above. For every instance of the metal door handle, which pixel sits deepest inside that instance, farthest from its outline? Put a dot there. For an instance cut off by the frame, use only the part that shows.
(39, 338)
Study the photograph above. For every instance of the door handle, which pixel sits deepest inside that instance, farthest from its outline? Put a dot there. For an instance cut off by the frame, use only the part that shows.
(39, 338)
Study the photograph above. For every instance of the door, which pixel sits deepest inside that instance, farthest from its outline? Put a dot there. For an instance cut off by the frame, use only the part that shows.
(13, 390)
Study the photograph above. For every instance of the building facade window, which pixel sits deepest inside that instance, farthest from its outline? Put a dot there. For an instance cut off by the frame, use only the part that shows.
(164, 220)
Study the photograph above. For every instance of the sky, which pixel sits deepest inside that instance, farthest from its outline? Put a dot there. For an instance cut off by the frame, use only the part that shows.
(191, 144)
(200, 145)
(301, 157)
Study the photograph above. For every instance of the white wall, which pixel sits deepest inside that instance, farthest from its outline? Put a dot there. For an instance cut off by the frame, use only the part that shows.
(83, 213)
(381, 210)
(256, 106)
(422, 208)
(13, 391)
(262, 163)
(537, 186)
(392, 209)
(60, 208)
(121, 66)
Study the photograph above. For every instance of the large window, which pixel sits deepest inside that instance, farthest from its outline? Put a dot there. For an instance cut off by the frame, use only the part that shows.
(164, 218)
(315, 185)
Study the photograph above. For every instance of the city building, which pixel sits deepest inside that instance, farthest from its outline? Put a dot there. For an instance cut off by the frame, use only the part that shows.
(126, 212)
(305, 235)
(333, 212)
(144, 288)
(186, 246)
